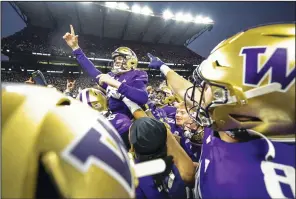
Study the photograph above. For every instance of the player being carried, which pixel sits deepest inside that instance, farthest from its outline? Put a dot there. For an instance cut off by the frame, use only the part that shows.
(123, 80)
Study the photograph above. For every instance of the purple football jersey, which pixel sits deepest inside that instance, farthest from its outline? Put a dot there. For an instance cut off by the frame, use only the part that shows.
(239, 170)
(133, 87)
(120, 122)
(186, 144)
(170, 111)
(176, 187)
(133, 84)
(159, 114)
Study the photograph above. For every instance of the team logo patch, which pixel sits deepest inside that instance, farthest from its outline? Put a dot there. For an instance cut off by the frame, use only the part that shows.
(101, 146)
(276, 66)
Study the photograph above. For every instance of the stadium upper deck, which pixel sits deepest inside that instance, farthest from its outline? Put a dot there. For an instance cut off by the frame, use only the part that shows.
(118, 22)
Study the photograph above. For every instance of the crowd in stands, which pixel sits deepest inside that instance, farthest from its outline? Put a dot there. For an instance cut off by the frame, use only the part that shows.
(59, 81)
(40, 40)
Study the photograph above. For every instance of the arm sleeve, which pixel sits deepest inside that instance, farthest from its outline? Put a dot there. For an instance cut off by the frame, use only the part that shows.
(86, 64)
(139, 193)
(137, 93)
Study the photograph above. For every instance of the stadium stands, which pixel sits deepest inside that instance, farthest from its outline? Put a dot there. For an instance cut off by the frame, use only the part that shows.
(41, 40)
(101, 29)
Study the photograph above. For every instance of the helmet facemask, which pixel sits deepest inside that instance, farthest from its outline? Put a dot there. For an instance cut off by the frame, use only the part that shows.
(220, 95)
(120, 67)
(124, 60)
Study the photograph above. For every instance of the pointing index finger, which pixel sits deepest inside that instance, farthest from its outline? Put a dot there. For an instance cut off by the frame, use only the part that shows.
(72, 30)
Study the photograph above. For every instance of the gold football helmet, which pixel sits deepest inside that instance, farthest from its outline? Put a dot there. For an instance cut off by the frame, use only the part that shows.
(130, 60)
(94, 98)
(53, 146)
(251, 77)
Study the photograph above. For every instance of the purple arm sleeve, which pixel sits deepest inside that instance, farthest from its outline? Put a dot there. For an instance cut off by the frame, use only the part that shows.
(139, 193)
(86, 64)
(137, 93)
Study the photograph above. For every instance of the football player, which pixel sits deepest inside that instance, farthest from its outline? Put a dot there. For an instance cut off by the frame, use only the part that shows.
(244, 94)
(55, 147)
(123, 78)
(96, 99)
(184, 127)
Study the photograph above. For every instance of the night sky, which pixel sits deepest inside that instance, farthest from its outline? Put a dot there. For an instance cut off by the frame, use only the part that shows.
(229, 17)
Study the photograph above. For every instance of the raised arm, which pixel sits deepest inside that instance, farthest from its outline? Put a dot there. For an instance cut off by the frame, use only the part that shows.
(85, 63)
(177, 83)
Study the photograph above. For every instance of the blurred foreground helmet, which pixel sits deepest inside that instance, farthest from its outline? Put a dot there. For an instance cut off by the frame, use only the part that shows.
(94, 98)
(129, 62)
(252, 80)
(54, 147)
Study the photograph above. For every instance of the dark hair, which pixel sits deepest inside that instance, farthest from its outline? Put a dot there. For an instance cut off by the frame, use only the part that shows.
(148, 137)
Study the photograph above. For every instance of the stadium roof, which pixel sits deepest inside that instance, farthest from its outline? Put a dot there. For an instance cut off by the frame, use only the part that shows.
(99, 20)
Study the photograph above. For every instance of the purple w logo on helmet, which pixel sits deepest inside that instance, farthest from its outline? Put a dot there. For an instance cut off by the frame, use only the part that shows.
(276, 66)
(96, 147)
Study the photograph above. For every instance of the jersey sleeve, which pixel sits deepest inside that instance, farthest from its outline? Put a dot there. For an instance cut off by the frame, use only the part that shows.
(137, 92)
(86, 64)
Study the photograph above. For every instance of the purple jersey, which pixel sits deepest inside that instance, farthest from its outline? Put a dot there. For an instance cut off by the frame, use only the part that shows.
(170, 111)
(121, 123)
(192, 152)
(176, 130)
(159, 114)
(239, 170)
(176, 187)
(133, 84)
(133, 87)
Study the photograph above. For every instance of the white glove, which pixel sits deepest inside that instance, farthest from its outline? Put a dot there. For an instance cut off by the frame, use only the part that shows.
(113, 92)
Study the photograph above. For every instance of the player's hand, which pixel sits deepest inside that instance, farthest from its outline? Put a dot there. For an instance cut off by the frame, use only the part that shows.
(155, 62)
(71, 39)
(30, 81)
(113, 92)
(105, 78)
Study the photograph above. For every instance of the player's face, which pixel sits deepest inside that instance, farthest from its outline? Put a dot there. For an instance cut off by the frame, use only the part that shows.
(119, 61)
(181, 116)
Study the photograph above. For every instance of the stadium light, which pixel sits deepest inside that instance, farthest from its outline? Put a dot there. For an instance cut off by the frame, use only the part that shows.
(111, 4)
(198, 19)
(136, 9)
(207, 20)
(146, 11)
(122, 6)
(179, 16)
(167, 14)
(7, 50)
(187, 18)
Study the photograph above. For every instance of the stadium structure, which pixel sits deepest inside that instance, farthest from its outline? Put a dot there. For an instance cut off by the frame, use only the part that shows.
(99, 26)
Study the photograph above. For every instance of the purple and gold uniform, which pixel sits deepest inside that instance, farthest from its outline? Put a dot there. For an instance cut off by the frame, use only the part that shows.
(133, 82)
(56, 147)
(242, 166)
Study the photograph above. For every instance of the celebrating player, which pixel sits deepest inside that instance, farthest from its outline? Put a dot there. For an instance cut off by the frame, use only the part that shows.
(55, 147)
(123, 80)
(245, 91)
(95, 99)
